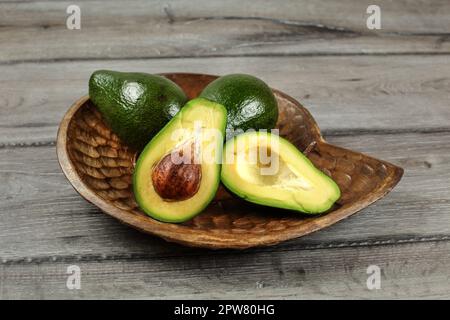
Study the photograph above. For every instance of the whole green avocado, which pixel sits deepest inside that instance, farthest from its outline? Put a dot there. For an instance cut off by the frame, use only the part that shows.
(135, 105)
(249, 101)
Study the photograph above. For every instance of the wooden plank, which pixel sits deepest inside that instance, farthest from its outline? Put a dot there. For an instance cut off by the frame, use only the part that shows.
(344, 94)
(407, 271)
(45, 226)
(37, 30)
(43, 218)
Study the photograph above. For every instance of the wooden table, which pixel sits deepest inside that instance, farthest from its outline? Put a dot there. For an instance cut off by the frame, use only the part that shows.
(383, 92)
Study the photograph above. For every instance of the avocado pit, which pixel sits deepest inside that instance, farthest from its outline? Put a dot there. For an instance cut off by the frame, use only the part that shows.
(177, 180)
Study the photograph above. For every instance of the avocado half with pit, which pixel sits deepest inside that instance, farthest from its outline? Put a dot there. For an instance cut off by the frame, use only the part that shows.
(178, 172)
(266, 169)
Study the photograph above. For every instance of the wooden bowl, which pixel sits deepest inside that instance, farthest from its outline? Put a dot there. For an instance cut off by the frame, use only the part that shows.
(100, 168)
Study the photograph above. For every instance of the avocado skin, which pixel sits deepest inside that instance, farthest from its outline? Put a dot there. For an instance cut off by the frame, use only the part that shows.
(249, 101)
(135, 105)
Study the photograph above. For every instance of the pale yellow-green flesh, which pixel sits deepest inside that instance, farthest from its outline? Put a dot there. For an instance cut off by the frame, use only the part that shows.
(294, 183)
(211, 118)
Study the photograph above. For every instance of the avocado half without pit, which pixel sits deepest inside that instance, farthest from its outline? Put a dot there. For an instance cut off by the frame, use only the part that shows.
(178, 172)
(266, 169)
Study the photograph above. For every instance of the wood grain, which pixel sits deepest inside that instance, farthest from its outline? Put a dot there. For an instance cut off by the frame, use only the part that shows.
(344, 94)
(36, 30)
(42, 216)
(417, 270)
(393, 105)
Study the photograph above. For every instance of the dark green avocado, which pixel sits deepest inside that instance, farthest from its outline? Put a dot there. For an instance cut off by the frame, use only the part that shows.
(135, 105)
(249, 101)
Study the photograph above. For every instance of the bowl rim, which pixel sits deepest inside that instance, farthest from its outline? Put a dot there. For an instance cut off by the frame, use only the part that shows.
(204, 238)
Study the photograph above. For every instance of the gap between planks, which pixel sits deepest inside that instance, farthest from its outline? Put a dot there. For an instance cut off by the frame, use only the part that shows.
(202, 252)
(325, 133)
(253, 55)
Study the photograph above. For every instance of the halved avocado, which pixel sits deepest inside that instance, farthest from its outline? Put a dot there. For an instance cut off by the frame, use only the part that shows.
(178, 172)
(266, 169)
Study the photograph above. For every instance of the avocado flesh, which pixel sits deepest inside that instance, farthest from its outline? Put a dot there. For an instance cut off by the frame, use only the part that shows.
(135, 105)
(293, 183)
(200, 124)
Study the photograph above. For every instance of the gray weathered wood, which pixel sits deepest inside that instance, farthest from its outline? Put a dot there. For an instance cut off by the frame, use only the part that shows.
(43, 217)
(37, 30)
(344, 94)
(417, 270)
(381, 92)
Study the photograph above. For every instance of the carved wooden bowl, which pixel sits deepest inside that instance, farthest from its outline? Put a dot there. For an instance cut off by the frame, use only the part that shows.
(100, 168)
